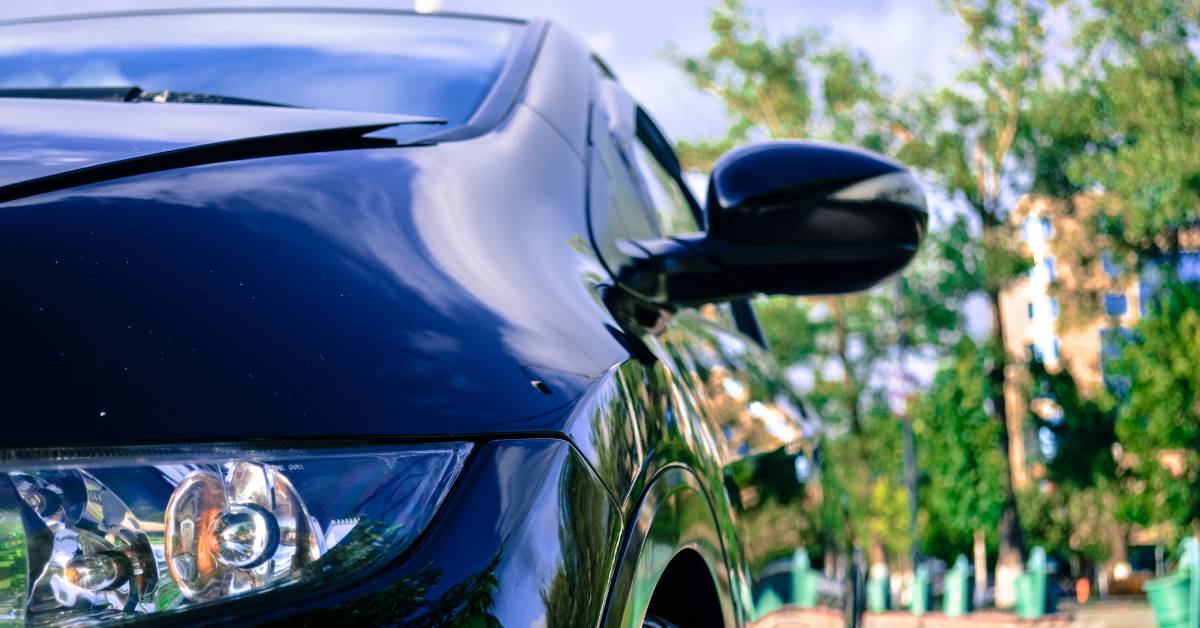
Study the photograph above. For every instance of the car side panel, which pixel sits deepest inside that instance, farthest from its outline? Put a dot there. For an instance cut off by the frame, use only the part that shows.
(674, 515)
(713, 403)
(768, 455)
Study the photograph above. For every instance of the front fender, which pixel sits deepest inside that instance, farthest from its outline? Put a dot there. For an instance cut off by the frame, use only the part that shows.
(673, 515)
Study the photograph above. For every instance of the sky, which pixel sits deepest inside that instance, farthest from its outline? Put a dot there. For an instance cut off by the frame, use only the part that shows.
(912, 41)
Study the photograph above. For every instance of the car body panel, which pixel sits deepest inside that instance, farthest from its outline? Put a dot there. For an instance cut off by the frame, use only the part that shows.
(356, 293)
(714, 403)
(674, 515)
(560, 87)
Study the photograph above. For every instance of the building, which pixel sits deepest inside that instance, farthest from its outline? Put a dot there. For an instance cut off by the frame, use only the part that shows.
(1062, 332)
(1079, 298)
(1077, 301)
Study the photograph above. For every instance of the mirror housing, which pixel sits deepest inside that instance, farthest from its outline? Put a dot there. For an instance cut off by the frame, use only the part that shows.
(787, 217)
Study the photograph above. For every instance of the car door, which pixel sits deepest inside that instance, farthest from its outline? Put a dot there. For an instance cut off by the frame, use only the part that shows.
(766, 441)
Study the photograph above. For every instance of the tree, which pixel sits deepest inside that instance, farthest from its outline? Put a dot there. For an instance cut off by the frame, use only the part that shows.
(766, 87)
(967, 139)
(963, 471)
(804, 85)
(1129, 174)
(1145, 160)
(1076, 511)
(1159, 420)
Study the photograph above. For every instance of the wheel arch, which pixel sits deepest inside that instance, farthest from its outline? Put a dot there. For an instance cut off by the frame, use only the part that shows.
(673, 517)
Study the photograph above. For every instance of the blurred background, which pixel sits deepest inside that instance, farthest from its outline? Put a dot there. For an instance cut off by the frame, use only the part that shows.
(1034, 379)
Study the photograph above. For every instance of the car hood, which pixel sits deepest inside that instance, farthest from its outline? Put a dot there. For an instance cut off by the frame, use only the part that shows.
(366, 293)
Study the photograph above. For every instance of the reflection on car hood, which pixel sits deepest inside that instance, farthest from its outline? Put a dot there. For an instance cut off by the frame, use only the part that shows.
(423, 291)
(44, 137)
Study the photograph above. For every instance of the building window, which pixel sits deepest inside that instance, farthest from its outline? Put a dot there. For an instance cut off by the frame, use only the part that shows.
(1110, 265)
(1050, 275)
(1030, 309)
(1053, 307)
(1115, 304)
(1047, 228)
(1111, 341)
(1054, 350)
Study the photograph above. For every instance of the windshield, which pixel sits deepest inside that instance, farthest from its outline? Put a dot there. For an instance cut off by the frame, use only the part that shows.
(382, 62)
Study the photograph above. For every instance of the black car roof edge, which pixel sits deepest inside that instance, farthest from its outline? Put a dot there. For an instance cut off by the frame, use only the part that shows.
(261, 9)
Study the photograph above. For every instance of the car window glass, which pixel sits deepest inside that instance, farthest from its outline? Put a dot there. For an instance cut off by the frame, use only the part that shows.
(434, 66)
(674, 212)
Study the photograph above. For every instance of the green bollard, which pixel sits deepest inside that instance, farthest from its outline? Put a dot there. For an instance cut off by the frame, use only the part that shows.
(1032, 601)
(768, 602)
(956, 593)
(878, 594)
(804, 581)
(1175, 599)
(920, 592)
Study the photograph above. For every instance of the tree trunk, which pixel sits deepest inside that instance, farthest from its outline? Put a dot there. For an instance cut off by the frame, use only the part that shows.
(853, 390)
(981, 571)
(876, 556)
(1118, 551)
(1012, 542)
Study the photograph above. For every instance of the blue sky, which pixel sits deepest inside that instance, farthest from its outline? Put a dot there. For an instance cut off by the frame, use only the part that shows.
(910, 40)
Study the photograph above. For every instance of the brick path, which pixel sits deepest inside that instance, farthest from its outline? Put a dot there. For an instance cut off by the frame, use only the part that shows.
(1120, 614)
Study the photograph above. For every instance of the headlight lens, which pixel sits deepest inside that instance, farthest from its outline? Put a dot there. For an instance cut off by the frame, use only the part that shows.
(111, 535)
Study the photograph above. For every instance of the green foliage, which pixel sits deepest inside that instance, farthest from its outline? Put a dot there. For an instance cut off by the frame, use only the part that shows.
(965, 135)
(1126, 121)
(844, 340)
(1123, 126)
(962, 487)
(1118, 126)
(803, 84)
(768, 87)
(935, 287)
(968, 139)
(1074, 511)
(1084, 430)
(1159, 420)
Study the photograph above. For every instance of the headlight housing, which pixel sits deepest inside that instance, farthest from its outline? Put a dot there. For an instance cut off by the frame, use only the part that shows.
(113, 534)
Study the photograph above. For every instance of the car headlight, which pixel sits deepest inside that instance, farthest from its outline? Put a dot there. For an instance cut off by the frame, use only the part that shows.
(93, 535)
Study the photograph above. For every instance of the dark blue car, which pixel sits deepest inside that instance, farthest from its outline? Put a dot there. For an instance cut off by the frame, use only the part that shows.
(371, 317)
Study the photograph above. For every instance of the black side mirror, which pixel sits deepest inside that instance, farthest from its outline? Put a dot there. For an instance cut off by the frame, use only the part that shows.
(787, 217)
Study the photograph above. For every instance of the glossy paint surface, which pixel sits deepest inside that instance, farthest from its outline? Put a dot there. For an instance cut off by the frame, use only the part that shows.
(715, 403)
(364, 292)
(414, 292)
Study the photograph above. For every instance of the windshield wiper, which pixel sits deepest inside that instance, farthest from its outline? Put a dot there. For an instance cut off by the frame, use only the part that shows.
(130, 93)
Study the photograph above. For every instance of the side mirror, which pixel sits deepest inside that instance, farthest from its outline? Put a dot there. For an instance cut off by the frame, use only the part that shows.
(787, 217)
